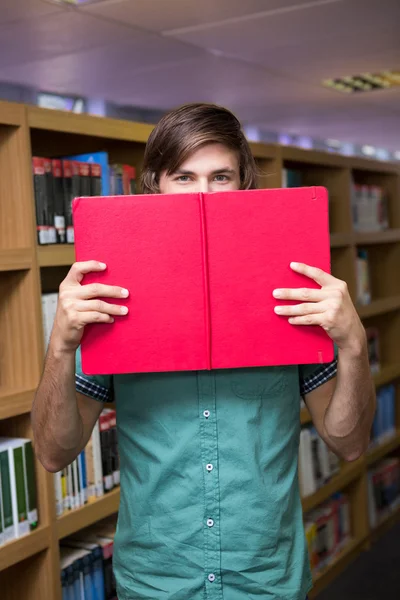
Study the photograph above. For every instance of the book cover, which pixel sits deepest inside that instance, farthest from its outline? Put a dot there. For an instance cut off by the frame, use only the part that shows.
(30, 484)
(201, 269)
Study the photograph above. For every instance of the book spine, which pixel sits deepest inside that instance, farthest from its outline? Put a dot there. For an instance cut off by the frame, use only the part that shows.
(39, 186)
(206, 282)
(90, 470)
(84, 179)
(18, 493)
(9, 529)
(105, 443)
(58, 494)
(98, 465)
(49, 202)
(95, 179)
(59, 202)
(30, 484)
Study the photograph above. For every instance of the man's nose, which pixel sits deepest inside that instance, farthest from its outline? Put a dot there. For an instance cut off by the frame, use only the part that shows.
(204, 185)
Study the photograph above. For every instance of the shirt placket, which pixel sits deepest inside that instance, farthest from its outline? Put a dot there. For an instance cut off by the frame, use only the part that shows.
(210, 465)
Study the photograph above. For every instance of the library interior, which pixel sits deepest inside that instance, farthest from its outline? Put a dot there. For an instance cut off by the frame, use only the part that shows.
(195, 462)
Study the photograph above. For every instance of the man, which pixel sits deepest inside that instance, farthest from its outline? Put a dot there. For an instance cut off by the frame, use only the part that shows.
(210, 505)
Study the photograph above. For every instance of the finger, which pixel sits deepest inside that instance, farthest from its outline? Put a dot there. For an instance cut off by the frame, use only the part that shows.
(97, 290)
(102, 307)
(314, 319)
(84, 318)
(301, 294)
(79, 269)
(309, 308)
(318, 275)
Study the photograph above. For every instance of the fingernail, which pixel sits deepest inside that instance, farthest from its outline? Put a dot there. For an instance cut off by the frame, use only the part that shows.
(277, 293)
(124, 310)
(293, 265)
(124, 293)
(278, 309)
(102, 265)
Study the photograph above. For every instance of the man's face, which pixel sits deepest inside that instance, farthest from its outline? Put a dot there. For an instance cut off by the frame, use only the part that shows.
(212, 168)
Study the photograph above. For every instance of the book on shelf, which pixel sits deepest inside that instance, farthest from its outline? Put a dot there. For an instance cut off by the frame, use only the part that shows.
(369, 207)
(49, 309)
(58, 181)
(317, 463)
(292, 178)
(383, 490)
(384, 425)
(328, 530)
(18, 494)
(203, 278)
(373, 349)
(94, 472)
(363, 278)
(87, 558)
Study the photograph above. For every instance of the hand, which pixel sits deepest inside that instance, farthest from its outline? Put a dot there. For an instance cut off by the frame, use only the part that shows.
(78, 306)
(330, 307)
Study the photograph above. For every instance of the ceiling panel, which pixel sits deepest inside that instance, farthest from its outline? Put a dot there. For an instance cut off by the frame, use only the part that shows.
(113, 72)
(26, 9)
(154, 16)
(256, 39)
(58, 34)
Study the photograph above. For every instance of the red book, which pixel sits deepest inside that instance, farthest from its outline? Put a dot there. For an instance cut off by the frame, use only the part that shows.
(200, 269)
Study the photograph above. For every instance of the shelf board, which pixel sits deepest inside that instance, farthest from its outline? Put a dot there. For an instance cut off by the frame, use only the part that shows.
(387, 374)
(382, 448)
(305, 416)
(341, 240)
(331, 571)
(14, 403)
(379, 307)
(348, 473)
(18, 550)
(15, 259)
(79, 518)
(56, 255)
(88, 125)
(11, 113)
(377, 237)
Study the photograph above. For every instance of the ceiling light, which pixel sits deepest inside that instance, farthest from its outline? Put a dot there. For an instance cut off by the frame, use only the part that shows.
(366, 82)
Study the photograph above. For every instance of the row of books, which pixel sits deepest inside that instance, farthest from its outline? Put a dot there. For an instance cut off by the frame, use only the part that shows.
(384, 425)
(369, 205)
(383, 490)
(86, 563)
(58, 181)
(94, 472)
(317, 463)
(328, 530)
(18, 497)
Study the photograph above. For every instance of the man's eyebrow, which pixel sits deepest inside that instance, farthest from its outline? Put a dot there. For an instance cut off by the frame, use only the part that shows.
(216, 172)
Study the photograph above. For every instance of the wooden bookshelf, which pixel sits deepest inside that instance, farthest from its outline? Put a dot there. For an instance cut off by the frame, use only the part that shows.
(27, 270)
(56, 255)
(82, 517)
(22, 548)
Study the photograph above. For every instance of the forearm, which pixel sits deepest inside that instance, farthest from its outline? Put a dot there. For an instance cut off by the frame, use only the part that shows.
(350, 413)
(56, 421)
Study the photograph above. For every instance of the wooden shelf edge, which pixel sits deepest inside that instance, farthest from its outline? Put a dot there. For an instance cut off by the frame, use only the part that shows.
(11, 113)
(377, 237)
(56, 255)
(18, 550)
(16, 259)
(387, 374)
(13, 404)
(82, 517)
(103, 127)
(379, 307)
(348, 473)
(341, 560)
(341, 240)
(383, 448)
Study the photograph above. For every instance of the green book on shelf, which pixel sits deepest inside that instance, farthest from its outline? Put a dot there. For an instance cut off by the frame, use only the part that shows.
(9, 529)
(15, 450)
(30, 484)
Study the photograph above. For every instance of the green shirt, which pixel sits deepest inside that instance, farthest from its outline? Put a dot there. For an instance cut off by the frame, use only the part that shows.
(210, 504)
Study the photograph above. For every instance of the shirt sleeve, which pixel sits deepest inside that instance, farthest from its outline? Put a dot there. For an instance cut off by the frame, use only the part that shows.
(312, 376)
(98, 387)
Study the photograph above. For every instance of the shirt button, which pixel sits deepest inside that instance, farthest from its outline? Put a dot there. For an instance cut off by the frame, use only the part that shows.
(211, 577)
(206, 413)
(210, 522)
(209, 467)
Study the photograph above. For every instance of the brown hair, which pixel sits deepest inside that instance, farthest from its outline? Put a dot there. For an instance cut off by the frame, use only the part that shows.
(182, 131)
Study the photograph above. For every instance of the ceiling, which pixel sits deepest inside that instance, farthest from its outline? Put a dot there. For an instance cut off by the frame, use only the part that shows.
(264, 59)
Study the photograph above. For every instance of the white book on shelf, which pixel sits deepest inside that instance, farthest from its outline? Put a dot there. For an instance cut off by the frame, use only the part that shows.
(307, 481)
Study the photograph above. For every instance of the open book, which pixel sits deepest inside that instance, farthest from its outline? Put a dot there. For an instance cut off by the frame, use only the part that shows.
(200, 269)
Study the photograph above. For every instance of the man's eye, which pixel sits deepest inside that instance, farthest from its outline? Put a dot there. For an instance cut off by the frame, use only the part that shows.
(221, 178)
(183, 178)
